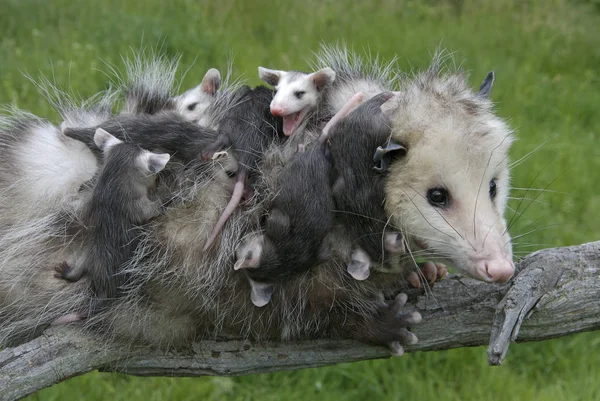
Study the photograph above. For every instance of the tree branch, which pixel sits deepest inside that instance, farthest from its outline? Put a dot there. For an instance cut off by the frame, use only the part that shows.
(555, 294)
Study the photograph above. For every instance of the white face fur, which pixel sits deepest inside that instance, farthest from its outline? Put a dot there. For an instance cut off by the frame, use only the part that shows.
(193, 103)
(296, 93)
(449, 192)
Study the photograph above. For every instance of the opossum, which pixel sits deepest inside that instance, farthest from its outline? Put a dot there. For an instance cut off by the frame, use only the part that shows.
(182, 294)
(119, 203)
(358, 186)
(166, 131)
(300, 217)
(149, 84)
(247, 129)
(296, 94)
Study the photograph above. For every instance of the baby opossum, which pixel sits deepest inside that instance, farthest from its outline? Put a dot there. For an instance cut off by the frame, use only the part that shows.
(296, 93)
(247, 129)
(149, 83)
(119, 203)
(163, 132)
(300, 217)
(358, 188)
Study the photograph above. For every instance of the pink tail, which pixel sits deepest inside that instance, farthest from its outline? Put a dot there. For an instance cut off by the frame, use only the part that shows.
(344, 111)
(236, 197)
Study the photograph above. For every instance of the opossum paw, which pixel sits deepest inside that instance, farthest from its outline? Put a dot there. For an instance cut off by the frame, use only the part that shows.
(430, 271)
(390, 324)
(64, 272)
(360, 265)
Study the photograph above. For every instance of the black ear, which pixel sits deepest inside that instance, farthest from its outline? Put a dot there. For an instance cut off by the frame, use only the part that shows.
(486, 85)
(384, 154)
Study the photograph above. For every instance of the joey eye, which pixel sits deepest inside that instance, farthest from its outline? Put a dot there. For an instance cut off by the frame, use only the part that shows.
(438, 197)
(493, 189)
(299, 94)
(192, 106)
(274, 91)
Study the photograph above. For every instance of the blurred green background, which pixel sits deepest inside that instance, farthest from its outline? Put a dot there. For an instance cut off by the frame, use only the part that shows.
(546, 54)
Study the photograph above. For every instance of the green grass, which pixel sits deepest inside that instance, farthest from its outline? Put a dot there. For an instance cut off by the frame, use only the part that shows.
(546, 55)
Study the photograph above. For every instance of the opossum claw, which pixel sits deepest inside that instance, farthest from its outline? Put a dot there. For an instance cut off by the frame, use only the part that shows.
(360, 265)
(394, 242)
(261, 293)
(383, 155)
(431, 271)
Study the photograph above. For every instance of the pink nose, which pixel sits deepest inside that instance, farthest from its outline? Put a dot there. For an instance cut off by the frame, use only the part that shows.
(497, 270)
(277, 111)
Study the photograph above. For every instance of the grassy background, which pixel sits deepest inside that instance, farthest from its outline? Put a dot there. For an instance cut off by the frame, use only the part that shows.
(546, 55)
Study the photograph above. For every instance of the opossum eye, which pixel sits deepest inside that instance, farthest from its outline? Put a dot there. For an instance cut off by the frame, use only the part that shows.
(493, 189)
(438, 197)
(192, 106)
(299, 94)
(274, 91)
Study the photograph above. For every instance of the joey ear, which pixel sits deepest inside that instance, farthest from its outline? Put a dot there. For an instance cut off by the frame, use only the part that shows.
(322, 78)
(260, 293)
(486, 85)
(104, 140)
(384, 154)
(271, 77)
(155, 162)
(211, 81)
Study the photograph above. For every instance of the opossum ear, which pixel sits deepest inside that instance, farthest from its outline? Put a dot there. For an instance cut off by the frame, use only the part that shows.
(154, 162)
(486, 85)
(322, 78)
(360, 265)
(211, 81)
(249, 254)
(260, 293)
(384, 154)
(271, 77)
(104, 140)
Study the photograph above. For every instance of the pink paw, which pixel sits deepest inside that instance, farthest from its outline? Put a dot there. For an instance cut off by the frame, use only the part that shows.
(430, 271)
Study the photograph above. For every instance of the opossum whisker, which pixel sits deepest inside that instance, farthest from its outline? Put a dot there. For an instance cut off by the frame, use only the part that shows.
(527, 156)
(535, 230)
(481, 184)
(535, 198)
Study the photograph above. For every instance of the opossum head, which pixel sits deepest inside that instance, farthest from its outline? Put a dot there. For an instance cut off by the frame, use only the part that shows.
(296, 93)
(447, 186)
(133, 165)
(193, 103)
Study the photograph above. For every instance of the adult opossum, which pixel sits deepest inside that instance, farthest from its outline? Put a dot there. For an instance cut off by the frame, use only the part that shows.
(180, 293)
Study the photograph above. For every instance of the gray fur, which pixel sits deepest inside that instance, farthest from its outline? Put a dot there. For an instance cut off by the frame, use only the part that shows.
(178, 294)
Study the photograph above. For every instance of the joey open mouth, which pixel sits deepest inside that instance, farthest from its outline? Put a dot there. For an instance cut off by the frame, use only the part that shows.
(292, 121)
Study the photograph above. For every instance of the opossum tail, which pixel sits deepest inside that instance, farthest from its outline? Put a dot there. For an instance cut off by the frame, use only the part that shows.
(236, 197)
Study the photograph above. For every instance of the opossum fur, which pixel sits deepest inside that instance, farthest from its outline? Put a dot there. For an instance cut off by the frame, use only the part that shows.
(179, 294)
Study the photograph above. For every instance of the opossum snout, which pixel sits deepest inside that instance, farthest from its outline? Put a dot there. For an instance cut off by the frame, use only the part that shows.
(277, 111)
(498, 270)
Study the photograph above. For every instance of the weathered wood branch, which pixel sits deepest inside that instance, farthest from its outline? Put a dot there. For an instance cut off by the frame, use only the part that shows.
(555, 294)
